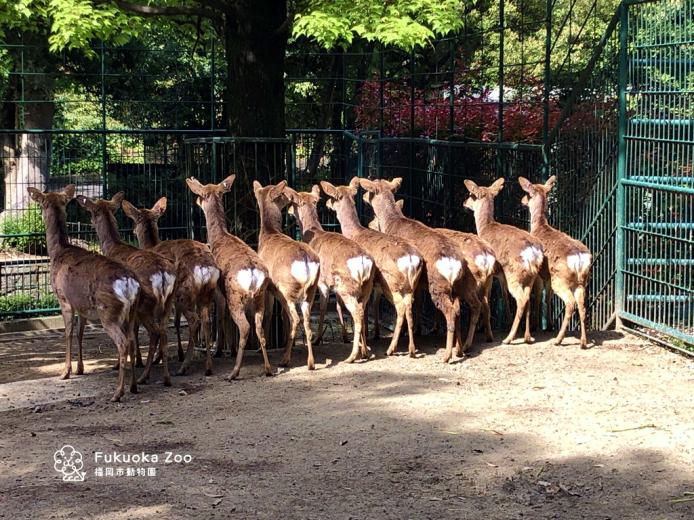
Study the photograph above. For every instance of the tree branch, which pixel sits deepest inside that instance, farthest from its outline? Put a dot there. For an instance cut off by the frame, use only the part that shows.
(154, 10)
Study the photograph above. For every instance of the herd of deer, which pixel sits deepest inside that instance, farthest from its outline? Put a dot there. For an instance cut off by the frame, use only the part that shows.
(127, 286)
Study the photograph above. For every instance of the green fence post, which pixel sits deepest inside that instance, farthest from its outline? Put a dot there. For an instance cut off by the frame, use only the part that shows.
(546, 88)
(620, 296)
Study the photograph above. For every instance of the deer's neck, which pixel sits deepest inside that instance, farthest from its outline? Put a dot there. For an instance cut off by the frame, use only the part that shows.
(349, 220)
(537, 216)
(309, 223)
(147, 235)
(107, 231)
(56, 230)
(216, 221)
(484, 216)
(270, 218)
(386, 212)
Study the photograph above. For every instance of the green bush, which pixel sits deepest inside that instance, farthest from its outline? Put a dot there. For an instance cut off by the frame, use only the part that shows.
(24, 231)
(26, 301)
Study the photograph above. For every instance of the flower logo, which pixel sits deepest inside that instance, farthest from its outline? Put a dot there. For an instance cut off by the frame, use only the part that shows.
(68, 462)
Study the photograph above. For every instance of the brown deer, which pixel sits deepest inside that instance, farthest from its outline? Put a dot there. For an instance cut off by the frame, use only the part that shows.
(483, 263)
(246, 278)
(568, 260)
(444, 266)
(519, 254)
(475, 285)
(157, 277)
(294, 267)
(90, 286)
(196, 278)
(398, 263)
(345, 267)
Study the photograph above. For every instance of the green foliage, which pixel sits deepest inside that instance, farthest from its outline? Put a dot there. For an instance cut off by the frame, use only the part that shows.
(26, 302)
(402, 23)
(24, 231)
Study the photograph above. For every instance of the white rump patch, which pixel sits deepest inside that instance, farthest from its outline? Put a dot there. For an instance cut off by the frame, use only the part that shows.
(408, 263)
(532, 258)
(169, 284)
(486, 262)
(204, 274)
(449, 268)
(360, 267)
(250, 279)
(126, 290)
(579, 261)
(162, 284)
(304, 271)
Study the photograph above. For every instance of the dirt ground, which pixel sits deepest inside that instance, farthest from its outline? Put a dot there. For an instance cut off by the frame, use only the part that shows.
(511, 432)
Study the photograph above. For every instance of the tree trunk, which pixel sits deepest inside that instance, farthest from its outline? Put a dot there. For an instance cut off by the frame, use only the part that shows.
(255, 49)
(27, 156)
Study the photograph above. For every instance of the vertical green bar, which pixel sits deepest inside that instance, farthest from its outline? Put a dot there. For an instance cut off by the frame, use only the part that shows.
(292, 160)
(500, 134)
(104, 177)
(620, 296)
(546, 88)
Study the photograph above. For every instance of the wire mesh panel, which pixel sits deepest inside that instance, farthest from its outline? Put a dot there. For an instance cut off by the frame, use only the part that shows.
(658, 213)
(145, 165)
(583, 155)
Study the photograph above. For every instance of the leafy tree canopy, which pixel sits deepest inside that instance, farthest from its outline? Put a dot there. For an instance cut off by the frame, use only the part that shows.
(402, 23)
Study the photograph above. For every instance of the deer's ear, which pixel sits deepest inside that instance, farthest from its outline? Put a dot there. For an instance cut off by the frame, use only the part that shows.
(354, 184)
(159, 207)
(395, 184)
(117, 199)
(400, 204)
(194, 185)
(85, 202)
(329, 189)
(130, 210)
(525, 201)
(329, 204)
(257, 186)
(550, 182)
(36, 195)
(278, 190)
(368, 197)
(315, 191)
(526, 185)
(227, 183)
(368, 185)
(69, 191)
(497, 186)
(471, 186)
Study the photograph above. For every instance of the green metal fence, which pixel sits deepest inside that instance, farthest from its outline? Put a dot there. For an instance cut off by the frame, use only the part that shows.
(656, 168)
(624, 151)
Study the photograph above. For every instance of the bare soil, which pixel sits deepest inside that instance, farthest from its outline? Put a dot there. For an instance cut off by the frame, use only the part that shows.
(510, 432)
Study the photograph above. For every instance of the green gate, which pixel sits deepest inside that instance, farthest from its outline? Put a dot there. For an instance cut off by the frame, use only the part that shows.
(656, 156)
(624, 153)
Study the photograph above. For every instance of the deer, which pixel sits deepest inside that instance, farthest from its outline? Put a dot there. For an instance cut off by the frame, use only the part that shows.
(477, 280)
(196, 274)
(89, 286)
(443, 265)
(244, 274)
(519, 254)
(156, 275)
(568, 260)
(398, 264)
(294, 267)
(345, 267)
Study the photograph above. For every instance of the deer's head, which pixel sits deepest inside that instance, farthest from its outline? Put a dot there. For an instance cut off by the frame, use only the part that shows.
(480, 195)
